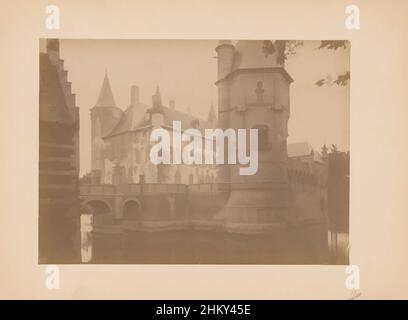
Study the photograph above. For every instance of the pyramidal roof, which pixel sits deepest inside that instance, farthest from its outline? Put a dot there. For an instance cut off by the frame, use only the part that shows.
(105, 98)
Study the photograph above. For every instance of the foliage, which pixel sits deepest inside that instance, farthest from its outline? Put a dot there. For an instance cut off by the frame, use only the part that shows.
(333, 44)
(287, 48)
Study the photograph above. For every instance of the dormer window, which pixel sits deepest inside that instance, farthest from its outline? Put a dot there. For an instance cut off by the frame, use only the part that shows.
(259, 91)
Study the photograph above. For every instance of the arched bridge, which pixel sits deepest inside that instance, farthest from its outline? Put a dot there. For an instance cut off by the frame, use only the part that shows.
(157, 200)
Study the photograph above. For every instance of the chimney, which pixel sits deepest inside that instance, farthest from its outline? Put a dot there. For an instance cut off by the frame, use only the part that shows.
(172, 105)
(156, 111)
(134, 95)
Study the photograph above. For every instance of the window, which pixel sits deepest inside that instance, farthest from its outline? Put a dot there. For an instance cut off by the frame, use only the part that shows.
(263, 141)
(259, 91)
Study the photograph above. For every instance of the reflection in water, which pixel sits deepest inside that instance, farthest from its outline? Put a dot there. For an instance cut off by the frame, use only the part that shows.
(339, 247)
(86, 237)
(112, 244)
(338, 240)
(208, 247)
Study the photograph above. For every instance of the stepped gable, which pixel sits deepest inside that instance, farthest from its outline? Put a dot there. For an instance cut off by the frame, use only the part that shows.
(55, 98)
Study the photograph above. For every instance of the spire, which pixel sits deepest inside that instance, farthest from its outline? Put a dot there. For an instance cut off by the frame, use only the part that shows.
(212, 117)
(157, 106)
(105, 98)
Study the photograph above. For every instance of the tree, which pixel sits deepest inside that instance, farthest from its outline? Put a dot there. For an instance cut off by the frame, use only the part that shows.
(334, 148)
(286, 48)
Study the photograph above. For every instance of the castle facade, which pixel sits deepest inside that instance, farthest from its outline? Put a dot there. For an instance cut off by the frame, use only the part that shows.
(288, 191)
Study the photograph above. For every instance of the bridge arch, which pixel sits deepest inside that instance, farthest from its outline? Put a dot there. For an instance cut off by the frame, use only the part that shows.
(97, 207)
(100, 209)
(132, 209)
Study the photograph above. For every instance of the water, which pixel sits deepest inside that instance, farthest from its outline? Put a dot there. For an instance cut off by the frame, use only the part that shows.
(306, 246)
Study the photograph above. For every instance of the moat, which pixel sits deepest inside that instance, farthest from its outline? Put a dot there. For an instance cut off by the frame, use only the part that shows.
(207, 247)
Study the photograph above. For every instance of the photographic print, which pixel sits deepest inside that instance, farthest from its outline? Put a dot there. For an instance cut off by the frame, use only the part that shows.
(194, 151)
(204, 152)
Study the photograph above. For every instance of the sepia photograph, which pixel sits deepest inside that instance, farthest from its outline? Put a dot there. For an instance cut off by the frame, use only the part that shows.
(194, 151)
(204, 159)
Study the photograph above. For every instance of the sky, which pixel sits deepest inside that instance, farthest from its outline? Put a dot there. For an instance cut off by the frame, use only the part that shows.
(186, 71)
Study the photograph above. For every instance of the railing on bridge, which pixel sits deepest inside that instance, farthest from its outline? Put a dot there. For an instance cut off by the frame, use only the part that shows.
(96, 189)
(109, 189)
(154, 188)
(208, 187)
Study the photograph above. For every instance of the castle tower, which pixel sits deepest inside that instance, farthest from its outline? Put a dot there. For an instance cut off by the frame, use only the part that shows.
(225, 58)
(253, 91)
(104, 117)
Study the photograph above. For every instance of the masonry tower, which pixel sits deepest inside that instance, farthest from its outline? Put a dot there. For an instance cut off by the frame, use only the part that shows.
(253, 92)
(104, 116)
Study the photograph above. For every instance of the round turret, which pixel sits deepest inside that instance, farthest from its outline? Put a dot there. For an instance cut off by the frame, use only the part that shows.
(225, 55)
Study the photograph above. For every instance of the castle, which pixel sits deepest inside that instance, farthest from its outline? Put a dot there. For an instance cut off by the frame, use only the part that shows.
(253, 92)
(121, 140)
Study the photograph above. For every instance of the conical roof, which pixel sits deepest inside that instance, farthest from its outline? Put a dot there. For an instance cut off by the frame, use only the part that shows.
(105, 98)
